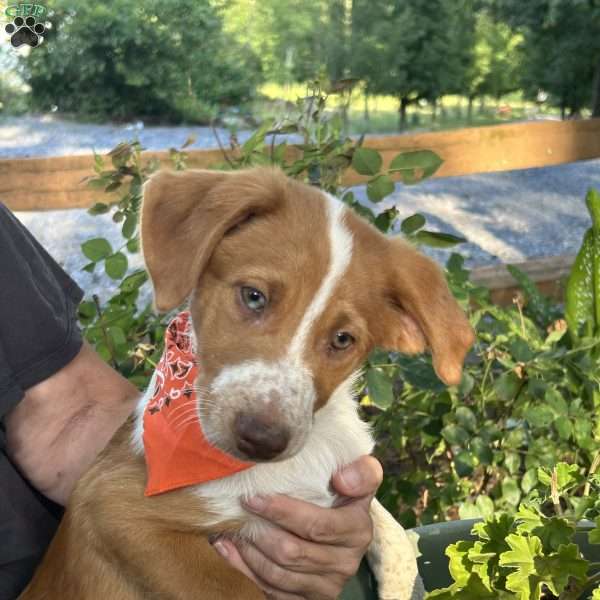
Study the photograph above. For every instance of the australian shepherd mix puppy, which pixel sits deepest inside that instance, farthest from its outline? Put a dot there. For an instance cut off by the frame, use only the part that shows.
(288, 292)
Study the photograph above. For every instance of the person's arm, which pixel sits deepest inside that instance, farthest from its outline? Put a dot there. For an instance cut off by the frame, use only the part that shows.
(59, 427)
(315, 550)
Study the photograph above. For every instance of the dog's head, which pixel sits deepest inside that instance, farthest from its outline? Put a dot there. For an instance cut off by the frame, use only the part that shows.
(290, 291)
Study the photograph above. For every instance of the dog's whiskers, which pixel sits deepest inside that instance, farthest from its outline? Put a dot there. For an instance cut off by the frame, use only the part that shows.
(185, 404)
(183, 424)
(183, 415)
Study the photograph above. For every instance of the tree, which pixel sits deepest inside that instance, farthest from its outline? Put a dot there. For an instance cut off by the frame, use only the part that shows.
(494, 70)
(561, 49)
(406, 49)
(296, 40)
(167, 59)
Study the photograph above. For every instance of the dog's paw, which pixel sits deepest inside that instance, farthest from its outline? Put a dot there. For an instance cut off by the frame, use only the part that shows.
(25, 31)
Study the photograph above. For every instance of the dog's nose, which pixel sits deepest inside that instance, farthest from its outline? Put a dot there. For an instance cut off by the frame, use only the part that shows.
(259, 438)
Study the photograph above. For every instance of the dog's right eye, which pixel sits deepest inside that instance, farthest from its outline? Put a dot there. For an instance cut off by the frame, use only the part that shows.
(254, 299)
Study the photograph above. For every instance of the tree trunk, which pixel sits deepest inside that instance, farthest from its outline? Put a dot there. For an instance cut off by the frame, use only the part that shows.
(563, 110)
(596, 92)
(434, 111)
(366, 107)
(470, 109)
(402, 113)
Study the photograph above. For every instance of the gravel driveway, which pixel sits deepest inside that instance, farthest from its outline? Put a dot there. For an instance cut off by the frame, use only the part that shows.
(506, 217)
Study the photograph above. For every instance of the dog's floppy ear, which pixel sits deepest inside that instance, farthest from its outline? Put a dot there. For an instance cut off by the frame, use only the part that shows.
(184, 216)
(422, 313)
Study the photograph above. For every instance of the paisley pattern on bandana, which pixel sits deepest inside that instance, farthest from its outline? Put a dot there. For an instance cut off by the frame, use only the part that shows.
(177, 452)
(176, 370)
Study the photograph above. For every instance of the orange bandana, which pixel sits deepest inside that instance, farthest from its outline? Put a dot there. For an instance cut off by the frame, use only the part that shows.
(177, 453)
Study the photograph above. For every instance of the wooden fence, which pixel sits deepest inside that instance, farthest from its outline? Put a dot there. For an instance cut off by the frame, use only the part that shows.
(56, 183)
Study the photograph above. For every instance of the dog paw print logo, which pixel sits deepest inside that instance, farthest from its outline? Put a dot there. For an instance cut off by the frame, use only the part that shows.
(25, 31)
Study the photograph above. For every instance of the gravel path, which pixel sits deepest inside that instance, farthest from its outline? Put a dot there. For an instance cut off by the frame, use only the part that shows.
(506, 217)
(48, 135)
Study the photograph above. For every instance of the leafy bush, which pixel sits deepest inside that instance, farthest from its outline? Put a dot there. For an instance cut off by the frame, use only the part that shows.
(537, 551)
(530, 392)
(157, 58)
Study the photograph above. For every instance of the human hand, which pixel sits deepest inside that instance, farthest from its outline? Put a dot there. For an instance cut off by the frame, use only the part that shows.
(313, 551)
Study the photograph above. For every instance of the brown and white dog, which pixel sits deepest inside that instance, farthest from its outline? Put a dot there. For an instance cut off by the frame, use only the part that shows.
(326, 288)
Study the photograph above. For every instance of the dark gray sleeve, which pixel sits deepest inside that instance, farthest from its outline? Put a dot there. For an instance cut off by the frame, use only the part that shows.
(38, 336)
(38, 302)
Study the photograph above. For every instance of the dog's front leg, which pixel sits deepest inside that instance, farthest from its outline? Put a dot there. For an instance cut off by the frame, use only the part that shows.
(392, 558)
(184, 566)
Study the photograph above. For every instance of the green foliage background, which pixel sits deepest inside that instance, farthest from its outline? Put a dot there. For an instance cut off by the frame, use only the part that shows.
(176, 60)
(157, 59)
(530, 390)
(517, 442)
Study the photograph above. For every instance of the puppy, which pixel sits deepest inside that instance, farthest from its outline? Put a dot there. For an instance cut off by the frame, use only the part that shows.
(288, 292)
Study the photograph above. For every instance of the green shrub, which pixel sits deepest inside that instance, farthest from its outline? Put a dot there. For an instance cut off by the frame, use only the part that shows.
(156, 59)
(537, 552)
(529, 396)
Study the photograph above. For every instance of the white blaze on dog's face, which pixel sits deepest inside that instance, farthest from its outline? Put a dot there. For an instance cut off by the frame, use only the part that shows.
(290, 292)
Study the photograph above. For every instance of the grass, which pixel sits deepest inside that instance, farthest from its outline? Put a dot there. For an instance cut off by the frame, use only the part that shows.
(452, 111)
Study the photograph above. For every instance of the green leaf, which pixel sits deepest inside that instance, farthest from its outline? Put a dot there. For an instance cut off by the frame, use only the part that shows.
(539, 415)
(558, 568)
(129, 226)
(544, 477)
(455, 435)
(117, 336)
(554, 399)
(412, 224)
(507, 386)
(436, 239)
(257, 138)
(567, 475)
(133, 245)
(467, 383)
(134, 281)
(459, 565)
(537, 303)
(379, 187)
(510, 491)
(563, 427)
(96, 249)
(512, 462)
(485, 505)
(385, 219)
(416, 165)
(99, 209)
(380, 388)
(580, 296)
(482, 451)
(529, 480)
(116, 265)
(366, 161)
(524, 581)
(87, 310)
(464, 463)
(466, 418)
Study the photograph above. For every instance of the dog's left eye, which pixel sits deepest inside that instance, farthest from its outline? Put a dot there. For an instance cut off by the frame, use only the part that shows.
(254, 299)
(342, 340)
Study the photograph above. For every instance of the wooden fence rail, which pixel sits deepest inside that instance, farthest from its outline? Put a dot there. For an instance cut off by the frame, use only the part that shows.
(53, 183)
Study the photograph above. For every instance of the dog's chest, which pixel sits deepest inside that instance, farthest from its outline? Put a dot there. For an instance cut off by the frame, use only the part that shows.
(337, 438)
